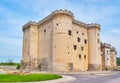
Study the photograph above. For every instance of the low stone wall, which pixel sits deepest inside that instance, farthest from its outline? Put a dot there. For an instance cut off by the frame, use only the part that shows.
(8, 68)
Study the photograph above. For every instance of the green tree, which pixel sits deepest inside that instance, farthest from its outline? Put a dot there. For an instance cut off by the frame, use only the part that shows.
(118, 61)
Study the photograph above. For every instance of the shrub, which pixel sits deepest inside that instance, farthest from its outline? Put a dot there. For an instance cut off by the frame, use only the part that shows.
(40, 67)
(18, 66)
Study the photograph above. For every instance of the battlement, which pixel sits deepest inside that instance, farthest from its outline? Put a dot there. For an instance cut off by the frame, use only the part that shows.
(61, 11)
(93, 25)
(80, 23)
(86, 25)
(105, 45)
(112, 49)
(28, 24)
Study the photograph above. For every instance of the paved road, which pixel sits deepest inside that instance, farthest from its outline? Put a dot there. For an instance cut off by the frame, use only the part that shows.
(2, 71)
(96, 78)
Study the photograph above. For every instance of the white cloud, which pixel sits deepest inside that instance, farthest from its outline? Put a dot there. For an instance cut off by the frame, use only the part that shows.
(97, 1)
(115, 31)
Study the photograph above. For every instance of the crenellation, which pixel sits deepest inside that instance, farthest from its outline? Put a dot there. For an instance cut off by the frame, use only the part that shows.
(112, 49)
(28, 24)
(108, 56)
(80, 23)
(105, 45)
(86, 25)
(63, 12)
(93, 25)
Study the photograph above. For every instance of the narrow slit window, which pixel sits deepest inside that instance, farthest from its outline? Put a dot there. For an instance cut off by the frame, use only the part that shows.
(79, 56)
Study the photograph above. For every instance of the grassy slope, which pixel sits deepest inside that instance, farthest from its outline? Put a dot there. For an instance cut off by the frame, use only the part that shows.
(27, 78)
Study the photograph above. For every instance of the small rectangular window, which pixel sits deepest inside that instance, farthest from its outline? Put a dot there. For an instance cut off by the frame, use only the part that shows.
(82, 48)
(75, 47)
(69, 32)
(78, 39)
(84, 56)
(85, 41)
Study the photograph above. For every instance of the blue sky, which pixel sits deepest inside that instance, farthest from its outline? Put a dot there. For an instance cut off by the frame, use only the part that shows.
(15, 13)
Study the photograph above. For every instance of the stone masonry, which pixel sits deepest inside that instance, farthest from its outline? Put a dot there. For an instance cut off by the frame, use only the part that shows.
(61, 43)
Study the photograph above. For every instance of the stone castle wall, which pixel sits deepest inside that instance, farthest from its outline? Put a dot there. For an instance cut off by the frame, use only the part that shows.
(61, 43)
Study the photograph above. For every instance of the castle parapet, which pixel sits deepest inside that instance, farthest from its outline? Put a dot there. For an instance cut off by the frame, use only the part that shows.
(112, 49)
(92, 25)
(80, 23)
(66, 12)
(105, 45)
(61, 11)
(28, 24)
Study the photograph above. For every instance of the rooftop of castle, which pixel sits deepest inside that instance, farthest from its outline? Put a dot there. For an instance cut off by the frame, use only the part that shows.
(61, 11)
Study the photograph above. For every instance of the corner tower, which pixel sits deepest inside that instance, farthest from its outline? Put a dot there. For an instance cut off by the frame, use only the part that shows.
(106, 56)
(94, 59)
(113, 54)
(30, 45)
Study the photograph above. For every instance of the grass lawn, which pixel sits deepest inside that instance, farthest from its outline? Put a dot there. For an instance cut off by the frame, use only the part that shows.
(28, 78)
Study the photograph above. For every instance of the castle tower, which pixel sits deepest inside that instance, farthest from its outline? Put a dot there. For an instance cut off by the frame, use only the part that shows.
(62, 32)
(30, 45)
(94, 55)
(106, 56)
(113, 54)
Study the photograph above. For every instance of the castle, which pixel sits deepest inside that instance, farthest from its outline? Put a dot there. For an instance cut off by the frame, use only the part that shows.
(61, 43)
